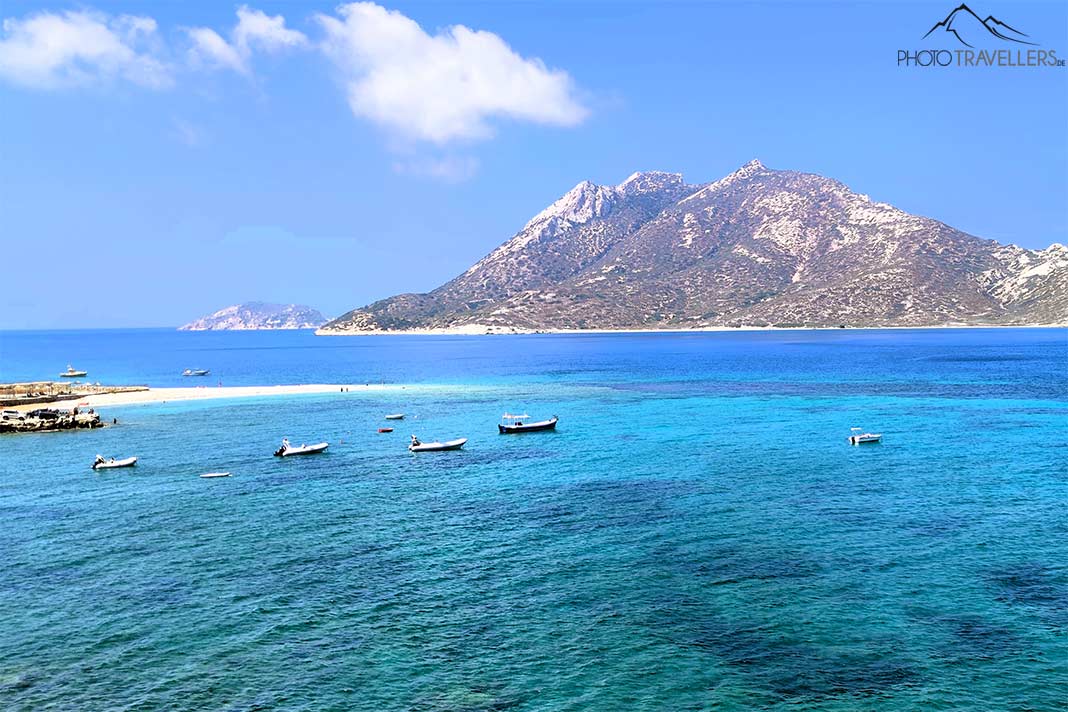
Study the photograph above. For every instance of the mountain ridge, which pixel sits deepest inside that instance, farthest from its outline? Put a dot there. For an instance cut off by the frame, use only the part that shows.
(758, 247)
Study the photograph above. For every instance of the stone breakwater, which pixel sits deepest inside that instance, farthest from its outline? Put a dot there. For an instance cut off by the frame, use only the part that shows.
(48, 420)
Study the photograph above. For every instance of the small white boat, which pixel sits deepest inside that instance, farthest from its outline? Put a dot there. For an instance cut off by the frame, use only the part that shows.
(418, 446)
(286, 450)
(102, 463)
(71, 372)
(859, 437)
(195, 372)
(209, 475)
(518, 424)
(395, 416)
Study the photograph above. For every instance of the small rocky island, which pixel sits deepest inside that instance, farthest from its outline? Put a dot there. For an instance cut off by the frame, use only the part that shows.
(258, 315)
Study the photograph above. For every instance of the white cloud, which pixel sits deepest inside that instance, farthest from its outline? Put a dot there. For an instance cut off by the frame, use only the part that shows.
(210, 48)
(254, 30)
(51, 50)
(441, 87)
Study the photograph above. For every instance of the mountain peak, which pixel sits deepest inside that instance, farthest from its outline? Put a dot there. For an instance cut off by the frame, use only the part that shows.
(578, 205)
(747, 171)
(649, 181)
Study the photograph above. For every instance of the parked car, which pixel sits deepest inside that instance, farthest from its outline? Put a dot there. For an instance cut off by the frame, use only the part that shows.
(44, 414)
(11, 415)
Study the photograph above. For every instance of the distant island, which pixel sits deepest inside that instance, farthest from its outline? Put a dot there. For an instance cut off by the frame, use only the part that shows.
(757, 248)
(258, 315)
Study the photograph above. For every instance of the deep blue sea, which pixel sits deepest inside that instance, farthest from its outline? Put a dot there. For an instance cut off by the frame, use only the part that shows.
(697, 535)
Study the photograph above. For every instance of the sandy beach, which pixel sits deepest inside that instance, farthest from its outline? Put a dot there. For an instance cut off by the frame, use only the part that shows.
(163, 395)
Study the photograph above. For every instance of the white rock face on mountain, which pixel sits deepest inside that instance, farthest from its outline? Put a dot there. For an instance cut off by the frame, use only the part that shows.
(258, 315)
(757, 247)
(1032, 281)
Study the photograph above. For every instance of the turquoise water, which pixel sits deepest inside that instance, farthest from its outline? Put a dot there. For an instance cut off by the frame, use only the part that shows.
(697, 534)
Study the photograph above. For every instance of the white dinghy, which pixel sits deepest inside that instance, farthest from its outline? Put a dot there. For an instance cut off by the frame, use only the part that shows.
(210, 475)
(418, 446)
(395, 416)
(102, 463)
(859, 437)
(286, 450)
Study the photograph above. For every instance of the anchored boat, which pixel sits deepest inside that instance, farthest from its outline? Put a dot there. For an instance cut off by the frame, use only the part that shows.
(196, 372)
(210, 475)
(102, 463)
(859, 437)
(72, 372)
(518, 424)
(418, 446)
(287, 450)
(395, 416)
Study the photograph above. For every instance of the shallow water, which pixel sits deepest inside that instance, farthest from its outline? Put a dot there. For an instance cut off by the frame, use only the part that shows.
(696, 535)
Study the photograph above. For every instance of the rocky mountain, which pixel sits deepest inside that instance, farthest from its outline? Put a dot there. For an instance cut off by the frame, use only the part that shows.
(759, 247)
(258, 315)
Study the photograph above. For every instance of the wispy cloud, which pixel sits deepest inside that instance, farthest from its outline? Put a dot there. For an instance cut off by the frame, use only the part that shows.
(50, 50)
(444, 87)
(187, 132)
(450, 169)
(254, 30)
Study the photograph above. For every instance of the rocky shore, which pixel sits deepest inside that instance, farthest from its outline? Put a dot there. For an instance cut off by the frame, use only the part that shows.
(45, 420)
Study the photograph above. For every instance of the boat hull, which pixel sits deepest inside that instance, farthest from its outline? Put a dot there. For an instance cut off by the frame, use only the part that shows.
(865, 439)
(303, 450)
(395, 416)
(212, 475)
(438, 447)
(114, 464)
(76, 374)
(527, 427)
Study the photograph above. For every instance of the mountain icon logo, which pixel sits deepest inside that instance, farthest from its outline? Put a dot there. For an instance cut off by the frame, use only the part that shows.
(967, 27)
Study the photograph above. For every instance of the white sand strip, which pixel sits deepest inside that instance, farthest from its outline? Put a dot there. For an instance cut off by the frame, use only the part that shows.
(163, 395)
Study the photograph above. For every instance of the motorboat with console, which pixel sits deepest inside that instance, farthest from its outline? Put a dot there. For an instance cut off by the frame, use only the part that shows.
(519, 424)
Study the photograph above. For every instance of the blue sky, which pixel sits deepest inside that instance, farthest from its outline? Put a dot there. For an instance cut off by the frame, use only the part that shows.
(171, 170)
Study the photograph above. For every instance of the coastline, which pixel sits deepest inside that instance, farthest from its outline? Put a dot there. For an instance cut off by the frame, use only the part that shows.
(484, 330)
(163, 395)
